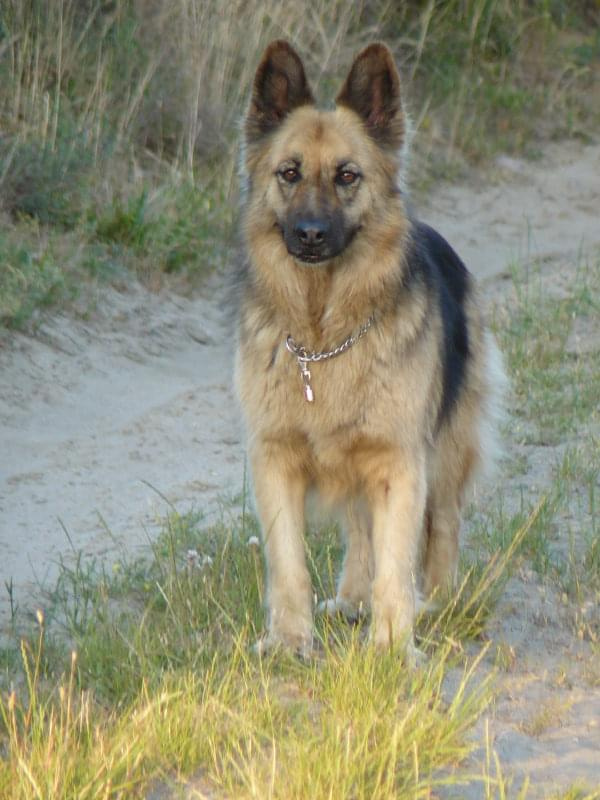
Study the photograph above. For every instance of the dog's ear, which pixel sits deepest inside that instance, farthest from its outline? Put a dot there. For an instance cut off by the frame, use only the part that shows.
(372, 89)
(280, 86)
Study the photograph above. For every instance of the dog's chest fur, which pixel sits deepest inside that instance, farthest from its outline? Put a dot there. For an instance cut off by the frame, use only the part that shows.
(349, 417)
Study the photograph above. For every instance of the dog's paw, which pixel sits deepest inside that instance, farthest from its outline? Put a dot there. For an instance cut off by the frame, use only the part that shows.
(337, 606)
(299, 646)
(403, 646)
(428, 604)
(414, 657)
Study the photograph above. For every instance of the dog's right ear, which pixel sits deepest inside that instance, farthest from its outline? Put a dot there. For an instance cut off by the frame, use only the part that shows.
(280, 86)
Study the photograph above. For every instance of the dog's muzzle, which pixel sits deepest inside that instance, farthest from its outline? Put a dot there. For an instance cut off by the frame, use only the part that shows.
(313, 239)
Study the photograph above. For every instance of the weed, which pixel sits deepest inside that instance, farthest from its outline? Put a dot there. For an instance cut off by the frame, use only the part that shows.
(550, 715)
(50, 185)
(556, 387)
(577, 792)
(175, 229)
(115, 114)
(30, 277)
(41, 269)
(592, 668)
(168, 642)
(505, 657)
(128, 224)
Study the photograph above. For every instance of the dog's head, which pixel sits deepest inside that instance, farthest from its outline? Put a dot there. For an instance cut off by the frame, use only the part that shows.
(319, 180)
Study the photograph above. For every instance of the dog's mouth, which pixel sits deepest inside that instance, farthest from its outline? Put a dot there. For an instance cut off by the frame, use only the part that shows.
(311, 258)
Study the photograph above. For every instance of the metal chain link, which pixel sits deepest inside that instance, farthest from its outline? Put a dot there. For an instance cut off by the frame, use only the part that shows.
(307, 356)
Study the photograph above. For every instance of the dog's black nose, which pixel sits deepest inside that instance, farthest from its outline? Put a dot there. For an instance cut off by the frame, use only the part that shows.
(311, 232)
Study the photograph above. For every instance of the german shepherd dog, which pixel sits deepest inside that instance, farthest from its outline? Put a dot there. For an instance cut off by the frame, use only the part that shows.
(363, 366)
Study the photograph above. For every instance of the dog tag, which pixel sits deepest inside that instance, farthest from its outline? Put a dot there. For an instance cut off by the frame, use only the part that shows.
(309, 395)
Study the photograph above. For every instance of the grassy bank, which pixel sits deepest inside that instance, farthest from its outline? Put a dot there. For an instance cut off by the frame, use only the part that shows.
(162, 685)
(138, 678)
(119, 119)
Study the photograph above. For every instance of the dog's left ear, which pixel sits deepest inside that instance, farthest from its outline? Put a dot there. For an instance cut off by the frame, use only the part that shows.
(372, 90)
(280, 86)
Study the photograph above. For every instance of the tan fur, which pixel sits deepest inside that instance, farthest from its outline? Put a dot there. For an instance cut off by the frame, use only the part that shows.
(369, 440)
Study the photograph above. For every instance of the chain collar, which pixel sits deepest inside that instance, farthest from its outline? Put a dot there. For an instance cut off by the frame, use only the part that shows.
(305, 356)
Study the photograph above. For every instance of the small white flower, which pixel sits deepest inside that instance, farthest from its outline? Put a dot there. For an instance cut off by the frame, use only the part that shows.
(253, 541)
(192, 558)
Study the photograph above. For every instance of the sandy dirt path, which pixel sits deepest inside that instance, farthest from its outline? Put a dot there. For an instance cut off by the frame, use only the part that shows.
(104, 420)
(99, 420)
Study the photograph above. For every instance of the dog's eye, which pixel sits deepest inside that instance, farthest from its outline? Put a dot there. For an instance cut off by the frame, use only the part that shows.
(290, 175)
(345, 177)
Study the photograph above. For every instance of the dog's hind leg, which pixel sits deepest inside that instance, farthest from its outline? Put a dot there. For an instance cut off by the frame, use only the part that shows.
(451, 475)
(354, 588)
(442, 521)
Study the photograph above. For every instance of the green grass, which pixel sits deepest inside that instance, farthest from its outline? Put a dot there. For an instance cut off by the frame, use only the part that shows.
(144, 673)
(30, 278)
(556, 387)
(123, 125)
(354, 725)
(177, 230)
(161, 683)
(170, 229)
(550, 333)
(481, 67)
(577, 792)
(43, 269)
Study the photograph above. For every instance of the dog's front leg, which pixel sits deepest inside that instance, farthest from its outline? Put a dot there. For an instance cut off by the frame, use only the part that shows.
(280, 489)
(397, 500)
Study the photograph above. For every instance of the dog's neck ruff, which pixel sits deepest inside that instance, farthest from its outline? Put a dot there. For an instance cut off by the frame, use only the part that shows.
(305, 356)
